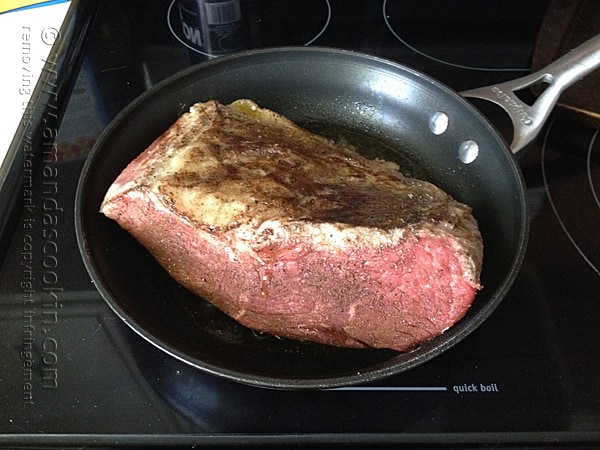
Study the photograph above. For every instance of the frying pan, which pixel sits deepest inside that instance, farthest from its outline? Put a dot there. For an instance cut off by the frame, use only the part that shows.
(377, 105)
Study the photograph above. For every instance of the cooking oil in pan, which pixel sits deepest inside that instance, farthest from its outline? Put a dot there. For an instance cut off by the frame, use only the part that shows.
(370, 146)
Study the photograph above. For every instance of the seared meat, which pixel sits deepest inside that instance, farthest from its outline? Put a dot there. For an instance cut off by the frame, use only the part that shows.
(291, 234)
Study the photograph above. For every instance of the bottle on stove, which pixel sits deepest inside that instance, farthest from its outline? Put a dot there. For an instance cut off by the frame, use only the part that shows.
(212, 28)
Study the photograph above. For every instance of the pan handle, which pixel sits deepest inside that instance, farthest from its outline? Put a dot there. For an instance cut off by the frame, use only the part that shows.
(528, 120)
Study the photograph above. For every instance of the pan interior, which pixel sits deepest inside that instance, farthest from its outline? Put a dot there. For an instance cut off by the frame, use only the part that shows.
(381, 108)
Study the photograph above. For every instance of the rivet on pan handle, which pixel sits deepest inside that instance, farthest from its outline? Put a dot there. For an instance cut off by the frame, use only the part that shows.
(527, 119)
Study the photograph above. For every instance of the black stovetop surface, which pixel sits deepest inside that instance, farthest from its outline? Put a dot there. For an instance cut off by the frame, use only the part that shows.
(72, 373)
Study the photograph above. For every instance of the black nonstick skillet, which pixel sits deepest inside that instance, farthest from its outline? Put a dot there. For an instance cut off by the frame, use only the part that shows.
(395, 112)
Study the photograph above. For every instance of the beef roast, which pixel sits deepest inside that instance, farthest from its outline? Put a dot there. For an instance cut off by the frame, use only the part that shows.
(291, 234)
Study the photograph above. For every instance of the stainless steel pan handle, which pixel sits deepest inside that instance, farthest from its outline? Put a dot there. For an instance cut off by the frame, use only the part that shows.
(527, 119)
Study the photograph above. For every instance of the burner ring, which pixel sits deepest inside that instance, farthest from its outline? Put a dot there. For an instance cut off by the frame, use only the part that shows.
(387, 17)
(554, 204)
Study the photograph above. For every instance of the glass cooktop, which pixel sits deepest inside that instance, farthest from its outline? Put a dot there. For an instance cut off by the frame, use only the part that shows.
(72, 373)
